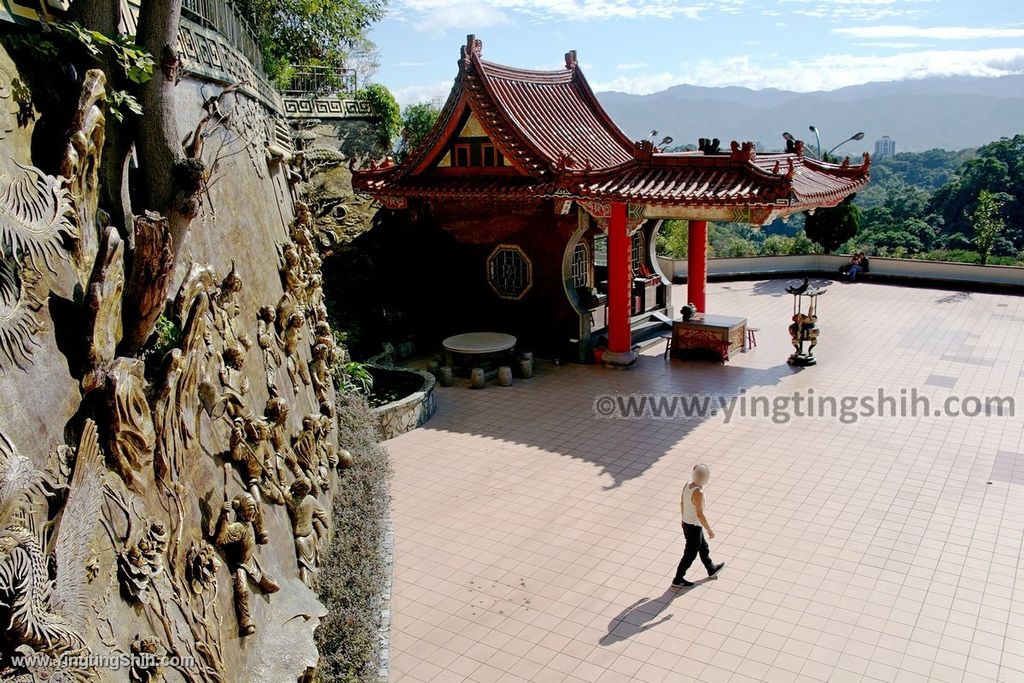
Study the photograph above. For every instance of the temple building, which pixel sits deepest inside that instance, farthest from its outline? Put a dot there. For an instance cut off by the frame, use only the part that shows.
(552, 211)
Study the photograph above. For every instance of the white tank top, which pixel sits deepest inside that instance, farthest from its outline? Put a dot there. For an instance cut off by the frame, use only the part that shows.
(689, 509)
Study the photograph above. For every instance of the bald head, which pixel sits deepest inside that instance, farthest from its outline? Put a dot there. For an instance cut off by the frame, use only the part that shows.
(701, 474)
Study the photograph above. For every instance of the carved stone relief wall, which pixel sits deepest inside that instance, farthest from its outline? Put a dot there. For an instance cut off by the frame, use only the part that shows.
(173, 504)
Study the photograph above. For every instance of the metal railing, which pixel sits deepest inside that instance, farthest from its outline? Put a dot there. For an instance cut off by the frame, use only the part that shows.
(223, 17)
(312, 79)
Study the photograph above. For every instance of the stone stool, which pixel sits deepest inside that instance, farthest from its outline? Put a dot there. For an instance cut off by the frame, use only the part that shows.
(445, 376)
(526, 365)
(477, 377)
(505, 376)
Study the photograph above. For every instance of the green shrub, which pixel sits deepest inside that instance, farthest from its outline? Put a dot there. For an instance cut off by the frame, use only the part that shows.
(353, 572)
(386, 109)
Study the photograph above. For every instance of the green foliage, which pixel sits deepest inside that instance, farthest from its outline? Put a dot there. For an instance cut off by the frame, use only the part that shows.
(997, 168)
(732, 240)
(353, 377)
(925, 171)
(353, 573)
(384, 107)
(119, 101)
(671, 240)
(417, 120)
(831, 227)
(136, 62)
(166, 336)
(922, 204)
(987, 221)
(324, 32)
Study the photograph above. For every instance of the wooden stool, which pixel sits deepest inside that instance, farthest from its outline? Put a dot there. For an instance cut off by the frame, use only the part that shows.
(752, 337)
(668, 344)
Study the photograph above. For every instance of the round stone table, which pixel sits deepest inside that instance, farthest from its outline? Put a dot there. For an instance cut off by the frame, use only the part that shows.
(477, 344)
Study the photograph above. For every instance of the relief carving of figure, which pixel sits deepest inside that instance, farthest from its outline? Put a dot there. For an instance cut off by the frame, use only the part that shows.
(308, 458)
(226, 310)
(309, 525)
(291, 338)
(232, 375)
(236, 540)
(293, 273)
(266, 337)
(321, 372)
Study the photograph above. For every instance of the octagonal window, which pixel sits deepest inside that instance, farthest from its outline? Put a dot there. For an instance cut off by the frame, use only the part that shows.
(509, 272)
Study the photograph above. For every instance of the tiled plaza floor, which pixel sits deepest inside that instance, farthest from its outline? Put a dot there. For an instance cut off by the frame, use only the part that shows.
(535, 541)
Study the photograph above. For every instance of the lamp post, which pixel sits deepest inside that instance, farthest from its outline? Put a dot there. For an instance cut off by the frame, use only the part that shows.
(788, 137)
(817, 136)
(855, 136)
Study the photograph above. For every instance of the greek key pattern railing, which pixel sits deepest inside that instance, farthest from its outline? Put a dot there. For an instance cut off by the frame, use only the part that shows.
(325, 107)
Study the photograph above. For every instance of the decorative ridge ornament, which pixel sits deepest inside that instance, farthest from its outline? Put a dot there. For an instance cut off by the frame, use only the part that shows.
(644, 150)
(570, 59)
(745, 152)
(473, 47)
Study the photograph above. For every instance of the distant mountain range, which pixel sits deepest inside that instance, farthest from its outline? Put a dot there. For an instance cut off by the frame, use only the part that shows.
(949, 113)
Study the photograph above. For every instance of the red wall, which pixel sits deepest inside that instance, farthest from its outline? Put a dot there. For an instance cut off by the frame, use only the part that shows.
(543, 319)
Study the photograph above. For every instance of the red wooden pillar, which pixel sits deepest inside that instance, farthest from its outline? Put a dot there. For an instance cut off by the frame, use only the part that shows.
(620, 290)
(696, 264)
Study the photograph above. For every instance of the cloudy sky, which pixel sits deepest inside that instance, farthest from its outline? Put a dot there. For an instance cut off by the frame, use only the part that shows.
(643, 46)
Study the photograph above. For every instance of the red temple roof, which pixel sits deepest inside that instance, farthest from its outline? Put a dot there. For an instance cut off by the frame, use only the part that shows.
(560, 143)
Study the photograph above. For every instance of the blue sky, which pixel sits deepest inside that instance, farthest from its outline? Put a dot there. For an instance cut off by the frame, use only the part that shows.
(644, 46)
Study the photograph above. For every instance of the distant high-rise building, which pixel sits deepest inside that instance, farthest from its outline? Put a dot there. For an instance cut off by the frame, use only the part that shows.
(886, 147)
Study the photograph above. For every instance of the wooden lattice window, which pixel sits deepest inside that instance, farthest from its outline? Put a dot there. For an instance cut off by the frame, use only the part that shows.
(509, 272)
(579, 269)
(638, 250)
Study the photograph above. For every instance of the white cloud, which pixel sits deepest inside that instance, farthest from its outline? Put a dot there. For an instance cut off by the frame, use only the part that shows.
(441, 16)
(934, 33)
(422, 93)
(631, 66)
(891, 44)
(864, 10)
(827, 72)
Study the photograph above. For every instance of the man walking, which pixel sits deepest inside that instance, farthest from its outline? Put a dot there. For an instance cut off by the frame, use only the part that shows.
(694, 525)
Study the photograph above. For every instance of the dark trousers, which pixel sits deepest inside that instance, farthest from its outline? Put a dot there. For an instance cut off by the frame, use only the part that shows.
(696, 544)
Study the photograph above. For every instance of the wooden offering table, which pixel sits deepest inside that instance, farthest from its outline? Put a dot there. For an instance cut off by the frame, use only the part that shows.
(718, 333)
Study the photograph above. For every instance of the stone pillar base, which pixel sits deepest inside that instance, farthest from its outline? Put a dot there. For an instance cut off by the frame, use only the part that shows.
(619, 360)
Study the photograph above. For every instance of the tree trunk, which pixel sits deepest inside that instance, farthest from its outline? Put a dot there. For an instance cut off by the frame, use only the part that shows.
(168, 182)
(149, 279)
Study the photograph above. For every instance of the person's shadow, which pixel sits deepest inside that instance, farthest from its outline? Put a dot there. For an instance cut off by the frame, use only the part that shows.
(642, 615)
